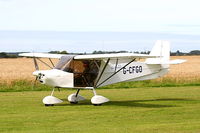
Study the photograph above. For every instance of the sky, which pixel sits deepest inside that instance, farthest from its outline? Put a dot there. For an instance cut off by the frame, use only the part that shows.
(88, 25)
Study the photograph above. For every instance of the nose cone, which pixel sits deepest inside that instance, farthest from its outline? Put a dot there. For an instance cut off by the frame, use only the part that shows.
(40, 76)
(55, 77)
(36, 73)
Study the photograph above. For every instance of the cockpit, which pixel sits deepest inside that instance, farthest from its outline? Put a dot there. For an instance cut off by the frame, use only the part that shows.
(85, 71)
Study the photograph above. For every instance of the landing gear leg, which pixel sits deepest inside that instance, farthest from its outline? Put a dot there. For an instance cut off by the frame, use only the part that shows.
(52, 92)
(75, 101)
(77, 92)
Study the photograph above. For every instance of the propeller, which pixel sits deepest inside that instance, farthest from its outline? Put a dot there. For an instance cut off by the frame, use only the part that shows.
(36, 64)
(37, 76)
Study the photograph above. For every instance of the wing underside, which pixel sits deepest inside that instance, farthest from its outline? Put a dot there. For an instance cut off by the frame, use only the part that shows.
(90, 57)
(42, 55)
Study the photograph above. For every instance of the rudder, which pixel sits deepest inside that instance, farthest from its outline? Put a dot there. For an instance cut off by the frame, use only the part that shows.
(162, 49)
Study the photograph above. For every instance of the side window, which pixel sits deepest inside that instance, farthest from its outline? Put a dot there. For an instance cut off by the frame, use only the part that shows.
(85, 72)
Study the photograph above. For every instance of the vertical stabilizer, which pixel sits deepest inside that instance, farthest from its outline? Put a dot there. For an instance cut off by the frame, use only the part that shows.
(162, 49)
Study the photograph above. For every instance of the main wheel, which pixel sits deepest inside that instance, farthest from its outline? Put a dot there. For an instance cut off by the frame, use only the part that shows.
(97, 104)
(74, 99)
(74, 102)
(49, 105)
(98, 100)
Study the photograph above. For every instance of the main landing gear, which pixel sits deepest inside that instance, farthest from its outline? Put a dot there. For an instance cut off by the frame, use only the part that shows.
(75, 98)
(96, 99)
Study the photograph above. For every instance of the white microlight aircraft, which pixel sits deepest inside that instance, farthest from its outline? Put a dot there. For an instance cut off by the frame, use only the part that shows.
(97, 70)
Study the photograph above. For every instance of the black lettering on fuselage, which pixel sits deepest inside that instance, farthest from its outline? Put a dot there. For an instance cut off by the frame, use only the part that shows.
(132, 70)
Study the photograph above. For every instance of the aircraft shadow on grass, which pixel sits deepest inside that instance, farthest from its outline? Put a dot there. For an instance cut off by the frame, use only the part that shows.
(134, 103)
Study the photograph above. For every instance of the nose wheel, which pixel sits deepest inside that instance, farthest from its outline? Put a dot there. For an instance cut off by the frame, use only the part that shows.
(51, 100)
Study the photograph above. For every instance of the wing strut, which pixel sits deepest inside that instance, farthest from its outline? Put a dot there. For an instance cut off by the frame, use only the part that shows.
(96, 64)
(95, 86)
(44, 63)
(116, 64)
(114, 73)
(51, 62)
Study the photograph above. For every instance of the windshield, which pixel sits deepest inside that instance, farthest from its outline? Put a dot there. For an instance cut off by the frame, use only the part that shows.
(65, 63)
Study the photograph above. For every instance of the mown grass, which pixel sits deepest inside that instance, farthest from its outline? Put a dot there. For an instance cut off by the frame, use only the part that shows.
(162, 82)
(141, 110)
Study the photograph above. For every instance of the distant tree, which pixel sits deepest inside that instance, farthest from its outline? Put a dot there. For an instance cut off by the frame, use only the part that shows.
(54, 52)
(58, 52)
(108, 52)
(97, 52)
(3, 55)
(145, 52)
(63, 52)
(123, 51)
(12, 56)
(178, 53)
(195, 52)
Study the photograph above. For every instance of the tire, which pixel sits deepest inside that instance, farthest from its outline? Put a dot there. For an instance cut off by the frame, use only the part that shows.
(47, 105)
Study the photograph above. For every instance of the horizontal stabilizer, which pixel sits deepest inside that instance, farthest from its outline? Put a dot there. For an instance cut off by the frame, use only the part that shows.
(170, 62)
(177, 61)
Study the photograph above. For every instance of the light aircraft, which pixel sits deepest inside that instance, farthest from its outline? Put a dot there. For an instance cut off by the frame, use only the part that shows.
(97, 70)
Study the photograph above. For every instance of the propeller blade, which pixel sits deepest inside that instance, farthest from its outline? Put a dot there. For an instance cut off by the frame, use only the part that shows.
(34, 83)
(36, 68)
(36, 64)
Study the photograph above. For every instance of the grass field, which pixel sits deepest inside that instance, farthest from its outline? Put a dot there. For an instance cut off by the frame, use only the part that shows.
(141, 110)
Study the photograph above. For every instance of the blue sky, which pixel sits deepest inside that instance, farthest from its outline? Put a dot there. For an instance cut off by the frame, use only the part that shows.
(33, 25)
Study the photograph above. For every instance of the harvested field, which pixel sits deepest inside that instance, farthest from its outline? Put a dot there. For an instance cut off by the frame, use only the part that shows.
(18, 69)
(22, 68)
(186, 72)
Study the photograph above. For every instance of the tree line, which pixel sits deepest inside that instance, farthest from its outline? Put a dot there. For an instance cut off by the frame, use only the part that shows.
(177, 53)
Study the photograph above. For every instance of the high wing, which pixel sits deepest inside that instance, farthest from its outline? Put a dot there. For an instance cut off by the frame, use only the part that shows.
(90, 57)
(115, 56)
(42, 55)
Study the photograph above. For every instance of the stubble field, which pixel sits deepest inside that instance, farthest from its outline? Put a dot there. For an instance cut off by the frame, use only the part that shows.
(18, 69)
